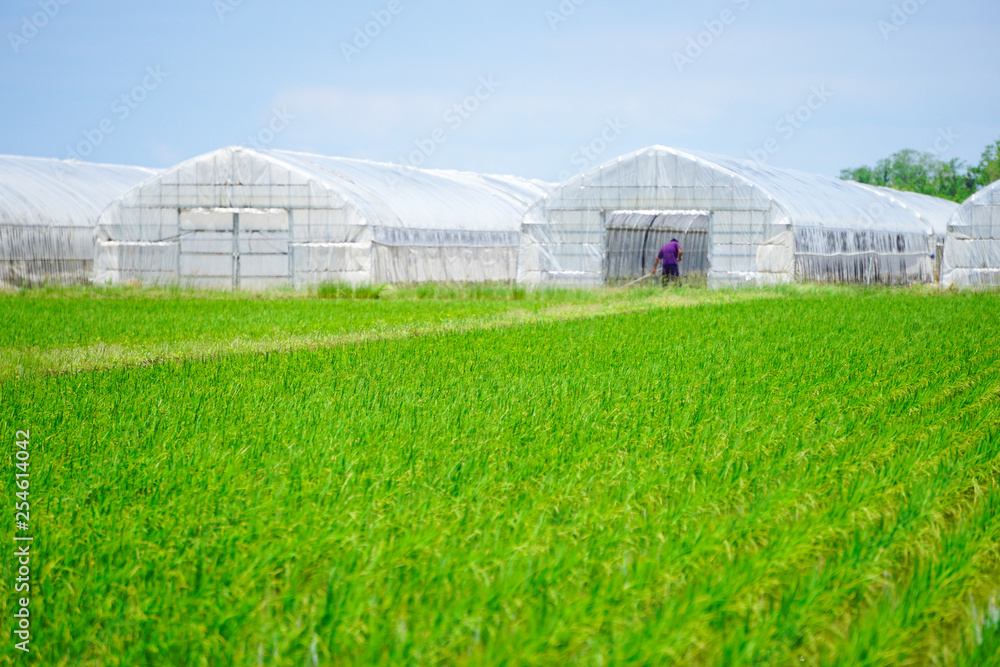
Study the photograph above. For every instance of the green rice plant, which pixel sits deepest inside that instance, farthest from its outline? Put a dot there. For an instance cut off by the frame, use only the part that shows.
(79, 328)
(491, 291)
(807, 479)
(85, 320)
(341, 290)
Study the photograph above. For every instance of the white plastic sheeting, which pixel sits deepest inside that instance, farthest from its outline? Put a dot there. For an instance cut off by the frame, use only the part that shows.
(256, 218)
(766, 225)
(972, 247)
(48, 210)
(635, 237)
(935, 211)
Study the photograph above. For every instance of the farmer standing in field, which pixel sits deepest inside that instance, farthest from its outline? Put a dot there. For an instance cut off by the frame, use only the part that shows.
(671, 255)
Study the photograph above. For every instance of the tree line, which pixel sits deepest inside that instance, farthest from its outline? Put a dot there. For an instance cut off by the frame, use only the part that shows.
(913, 171)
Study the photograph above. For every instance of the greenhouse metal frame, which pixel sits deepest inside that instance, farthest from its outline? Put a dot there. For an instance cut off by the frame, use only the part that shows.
(764, 225)
(972, 246)
(48, 211)
(240, 217)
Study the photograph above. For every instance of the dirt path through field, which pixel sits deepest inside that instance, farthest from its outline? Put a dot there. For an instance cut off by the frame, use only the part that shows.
(102, 356)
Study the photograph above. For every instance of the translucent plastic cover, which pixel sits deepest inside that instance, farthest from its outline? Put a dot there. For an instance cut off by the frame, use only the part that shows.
(48, 210)
(766, 226)
(972, 247)
(934, 210)
(242, 217)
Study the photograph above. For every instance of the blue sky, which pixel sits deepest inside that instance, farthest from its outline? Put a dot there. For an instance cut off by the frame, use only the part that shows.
(539, 89)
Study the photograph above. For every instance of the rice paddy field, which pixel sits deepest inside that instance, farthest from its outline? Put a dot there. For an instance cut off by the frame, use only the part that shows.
(805, 475)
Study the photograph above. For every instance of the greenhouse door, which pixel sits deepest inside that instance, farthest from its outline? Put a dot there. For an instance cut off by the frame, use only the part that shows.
(634, 238)
(234, 248)
(262, 258)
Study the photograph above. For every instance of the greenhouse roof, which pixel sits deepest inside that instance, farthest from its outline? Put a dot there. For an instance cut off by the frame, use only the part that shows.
(422, 198)
(807, 199)
(388, 195)
(60, 193)
(979, 217)
(822, 201)
(988, 196)
(935, 210)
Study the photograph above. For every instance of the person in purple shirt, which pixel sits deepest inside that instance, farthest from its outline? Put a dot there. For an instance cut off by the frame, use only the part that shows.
(670, 255)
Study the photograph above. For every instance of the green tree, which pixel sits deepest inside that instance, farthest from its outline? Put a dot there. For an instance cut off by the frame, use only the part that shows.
(988, 169)
(912, 171)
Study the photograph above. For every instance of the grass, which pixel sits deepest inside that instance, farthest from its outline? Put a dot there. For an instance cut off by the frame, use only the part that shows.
(335, 290)
(72, 329)
(808, 478)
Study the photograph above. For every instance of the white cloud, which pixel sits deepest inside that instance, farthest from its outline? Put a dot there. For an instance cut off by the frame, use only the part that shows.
(162, 154)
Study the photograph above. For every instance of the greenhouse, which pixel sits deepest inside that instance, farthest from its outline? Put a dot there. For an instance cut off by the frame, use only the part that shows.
(972, 247)
(48, 210)
(740, 222)
(239, 217)
(934, 210)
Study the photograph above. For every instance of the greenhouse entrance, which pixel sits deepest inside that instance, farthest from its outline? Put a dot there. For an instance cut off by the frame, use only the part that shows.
(634, 238)
(234, 247)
